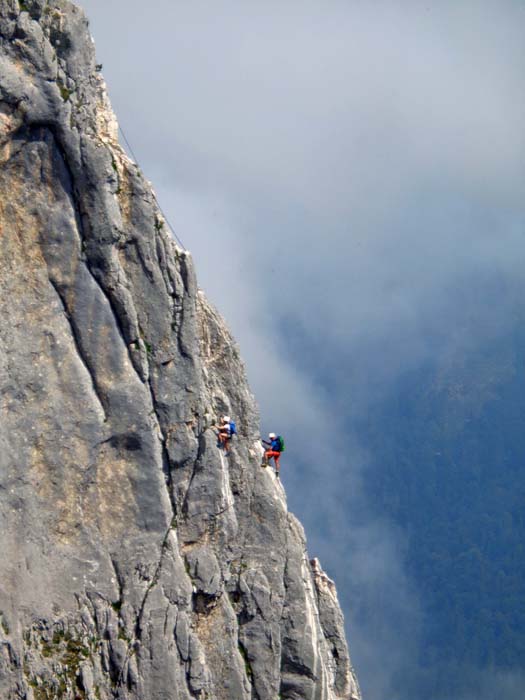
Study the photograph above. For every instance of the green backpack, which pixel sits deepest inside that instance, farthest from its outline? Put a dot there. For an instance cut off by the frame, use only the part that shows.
(281, 443)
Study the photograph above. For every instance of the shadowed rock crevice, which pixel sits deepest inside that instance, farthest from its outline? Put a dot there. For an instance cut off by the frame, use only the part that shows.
(79, 350)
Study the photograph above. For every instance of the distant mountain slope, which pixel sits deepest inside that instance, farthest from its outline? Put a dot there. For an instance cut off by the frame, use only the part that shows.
(448, 466)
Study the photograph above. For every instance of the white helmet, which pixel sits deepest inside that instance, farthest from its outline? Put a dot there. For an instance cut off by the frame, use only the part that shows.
(226, 419)
(272, 435)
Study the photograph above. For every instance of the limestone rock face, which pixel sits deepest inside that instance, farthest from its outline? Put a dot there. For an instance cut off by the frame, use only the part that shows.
(137, 560)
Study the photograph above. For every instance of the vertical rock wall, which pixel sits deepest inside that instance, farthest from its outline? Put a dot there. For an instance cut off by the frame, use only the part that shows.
(136, 560)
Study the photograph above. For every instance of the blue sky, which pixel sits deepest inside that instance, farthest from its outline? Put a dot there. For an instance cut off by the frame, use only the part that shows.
(349, 177)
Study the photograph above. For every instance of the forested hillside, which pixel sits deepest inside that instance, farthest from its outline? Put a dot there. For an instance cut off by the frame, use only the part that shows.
(448, 466)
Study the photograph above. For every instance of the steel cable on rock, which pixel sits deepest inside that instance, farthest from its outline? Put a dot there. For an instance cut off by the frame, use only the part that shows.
(131, 152)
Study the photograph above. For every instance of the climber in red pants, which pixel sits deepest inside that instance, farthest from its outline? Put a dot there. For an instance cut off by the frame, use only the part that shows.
(276, 446)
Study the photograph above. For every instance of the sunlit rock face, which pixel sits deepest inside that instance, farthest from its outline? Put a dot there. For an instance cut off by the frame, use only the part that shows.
(137, 560)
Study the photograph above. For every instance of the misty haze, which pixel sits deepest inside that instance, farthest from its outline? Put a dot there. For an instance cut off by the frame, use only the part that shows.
(349, 179)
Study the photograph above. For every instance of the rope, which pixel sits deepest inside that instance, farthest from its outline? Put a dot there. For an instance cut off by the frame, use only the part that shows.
(128, 145)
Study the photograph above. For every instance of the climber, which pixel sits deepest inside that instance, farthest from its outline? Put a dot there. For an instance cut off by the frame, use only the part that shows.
(224, 434)
(227, 430)
(276, 446)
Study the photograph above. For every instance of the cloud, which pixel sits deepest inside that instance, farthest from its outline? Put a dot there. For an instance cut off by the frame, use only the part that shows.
(350, 179)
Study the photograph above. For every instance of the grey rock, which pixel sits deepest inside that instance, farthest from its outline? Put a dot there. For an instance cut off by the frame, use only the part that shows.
(205, 572)
(137, 561)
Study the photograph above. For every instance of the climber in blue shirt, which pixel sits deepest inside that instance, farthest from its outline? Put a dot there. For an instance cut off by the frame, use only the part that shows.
(275, 447)
(227, 430)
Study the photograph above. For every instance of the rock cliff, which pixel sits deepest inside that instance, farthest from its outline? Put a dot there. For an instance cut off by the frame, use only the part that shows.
(137, 561)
